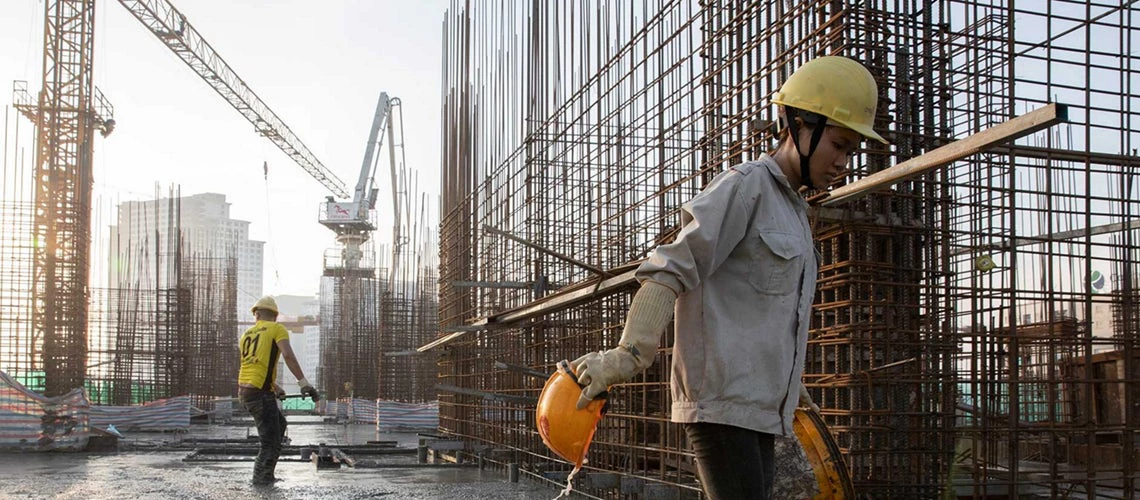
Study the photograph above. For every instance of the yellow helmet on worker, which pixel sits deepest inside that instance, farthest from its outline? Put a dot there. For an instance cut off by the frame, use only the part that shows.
(564, 428)
(838, 88)
(829, 90)
(266, 303)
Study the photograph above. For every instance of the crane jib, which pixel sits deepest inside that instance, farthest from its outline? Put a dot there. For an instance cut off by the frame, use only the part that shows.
(171, 27)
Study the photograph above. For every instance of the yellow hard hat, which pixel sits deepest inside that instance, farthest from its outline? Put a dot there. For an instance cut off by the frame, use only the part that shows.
(266, 303)
(838, 88)
(564, 428)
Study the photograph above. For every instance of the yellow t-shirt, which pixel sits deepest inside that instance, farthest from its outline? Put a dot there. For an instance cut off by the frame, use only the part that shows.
(258, 348)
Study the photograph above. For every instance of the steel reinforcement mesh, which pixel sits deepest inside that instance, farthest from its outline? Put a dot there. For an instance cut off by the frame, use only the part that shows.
(576, 131)
(20, 349)
(160, 324)
(350, 339)
(152, 340)
(409, 319)
(974, 331)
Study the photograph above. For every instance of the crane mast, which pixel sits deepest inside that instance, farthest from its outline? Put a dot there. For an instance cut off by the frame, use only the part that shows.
(401, 204)
(67, 113)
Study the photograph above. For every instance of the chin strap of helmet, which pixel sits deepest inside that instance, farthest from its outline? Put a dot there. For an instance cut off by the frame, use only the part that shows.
(817, 122)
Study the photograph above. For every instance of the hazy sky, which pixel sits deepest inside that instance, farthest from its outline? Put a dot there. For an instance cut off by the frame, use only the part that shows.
(319, 65)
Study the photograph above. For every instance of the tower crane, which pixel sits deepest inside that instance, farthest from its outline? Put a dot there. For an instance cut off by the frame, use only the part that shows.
(351, 220)
(69, 110)
(349, 347)
(171, 28)
(67, 113)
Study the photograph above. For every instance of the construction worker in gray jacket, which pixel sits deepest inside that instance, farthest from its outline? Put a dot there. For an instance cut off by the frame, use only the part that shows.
(741, 277)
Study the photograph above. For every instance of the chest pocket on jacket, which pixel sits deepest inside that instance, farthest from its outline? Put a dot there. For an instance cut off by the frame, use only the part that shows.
(777, 264)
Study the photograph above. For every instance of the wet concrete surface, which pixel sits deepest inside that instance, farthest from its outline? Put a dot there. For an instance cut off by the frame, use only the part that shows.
(143, 474)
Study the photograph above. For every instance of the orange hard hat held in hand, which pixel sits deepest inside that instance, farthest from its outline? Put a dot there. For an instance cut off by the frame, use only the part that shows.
(564, 428)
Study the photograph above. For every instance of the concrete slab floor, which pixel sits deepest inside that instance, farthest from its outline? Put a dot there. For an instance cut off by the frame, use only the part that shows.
(141, 474)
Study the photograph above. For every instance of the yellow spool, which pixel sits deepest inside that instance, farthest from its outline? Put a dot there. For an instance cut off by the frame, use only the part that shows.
(823, 454)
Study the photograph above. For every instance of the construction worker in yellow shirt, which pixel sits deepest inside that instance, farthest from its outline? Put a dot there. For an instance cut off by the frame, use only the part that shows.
(260, 347)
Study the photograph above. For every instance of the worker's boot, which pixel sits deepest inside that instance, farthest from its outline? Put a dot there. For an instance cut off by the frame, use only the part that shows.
(262, 475)
(263, 469)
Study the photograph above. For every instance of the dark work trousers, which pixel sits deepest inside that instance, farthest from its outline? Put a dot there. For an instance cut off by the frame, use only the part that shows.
(262, 406)
(733, 462)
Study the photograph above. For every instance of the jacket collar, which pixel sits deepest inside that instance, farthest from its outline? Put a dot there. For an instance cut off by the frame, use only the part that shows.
(781, 179)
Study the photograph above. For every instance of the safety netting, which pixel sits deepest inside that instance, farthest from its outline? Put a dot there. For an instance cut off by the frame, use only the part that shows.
(387, 415)
(32, 422)
(164, 415)
(393, 415)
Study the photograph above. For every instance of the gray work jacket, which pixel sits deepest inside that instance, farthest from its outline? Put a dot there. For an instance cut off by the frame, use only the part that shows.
(745, 266)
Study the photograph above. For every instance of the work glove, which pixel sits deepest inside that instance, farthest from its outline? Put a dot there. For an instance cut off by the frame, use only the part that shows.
(649, 314)
(597, 371)
(308, 390)
(805, 399)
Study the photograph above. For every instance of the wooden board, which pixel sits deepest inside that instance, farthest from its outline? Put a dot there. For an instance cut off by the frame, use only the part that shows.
(1006, 131)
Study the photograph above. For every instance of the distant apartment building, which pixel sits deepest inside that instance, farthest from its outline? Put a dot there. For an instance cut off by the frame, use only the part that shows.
(143, 228)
